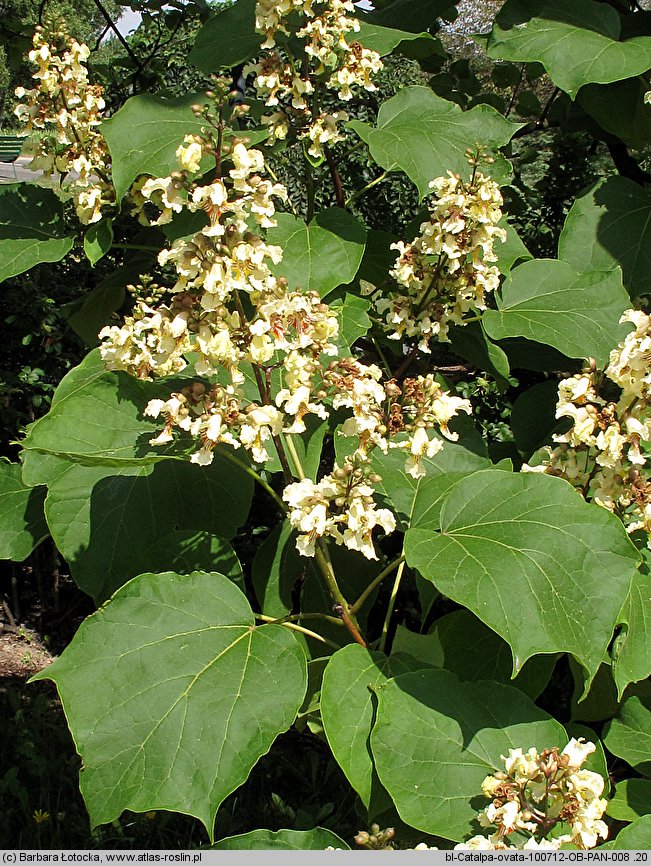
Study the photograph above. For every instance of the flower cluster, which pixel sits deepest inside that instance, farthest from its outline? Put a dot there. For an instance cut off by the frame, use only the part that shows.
(68, 108)
(340, 506)
(445, 272)
(537, 793)
(231, 315)
(331, 57)
(602, 452)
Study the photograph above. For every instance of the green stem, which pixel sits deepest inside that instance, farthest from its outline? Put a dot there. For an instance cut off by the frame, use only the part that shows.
(365, 189)
(294, 627)
(392, 601)
(382, 357)
(297, 617)
(354, 608)
(257, 478)
(309, 183)
(293, 453)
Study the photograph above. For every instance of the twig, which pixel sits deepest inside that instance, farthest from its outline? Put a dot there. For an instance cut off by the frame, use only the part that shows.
(291, 625)
(336, 177)
(354, 608)
(392, 601)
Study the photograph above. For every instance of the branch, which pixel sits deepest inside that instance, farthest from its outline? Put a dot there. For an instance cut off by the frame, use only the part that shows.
(626, 164)
(336, 177)
(120, 37)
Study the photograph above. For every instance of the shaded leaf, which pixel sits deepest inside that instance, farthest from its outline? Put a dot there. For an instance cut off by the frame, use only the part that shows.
(31, 229)
(227, 38)
(635, 837)
(524, 553)
(547, 301)
(112, 524)
(628, 735)
(436, 738)
(348, 711)
(609, 226)
(98, 240)
(426, 136)
(533, 417)
(632, 800)
(22, 521)
(282, 840)
(172, 694)
(632, 650)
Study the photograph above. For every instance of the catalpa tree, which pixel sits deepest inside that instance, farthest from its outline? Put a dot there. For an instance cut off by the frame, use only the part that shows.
(272, 349)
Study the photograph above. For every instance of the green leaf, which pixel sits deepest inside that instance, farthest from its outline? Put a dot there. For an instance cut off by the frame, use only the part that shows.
(101, 421)
(436, 738)
(524, 553)
(471, 343)
(282, 840)
(401, 490)
(512, 251)
(620, 109)
(412, 15)
(172, 694)
(31, 229)
(144, 134)
(546, 300)
(632, 649)
(22, 522)
(632, 800)
(609, 226)
(426, 136)
(348, 711)
(276, 569)
(98, 240)
(386, 40)
(321, 255)
(628, 735)
(635, 837)
(227, 38)
(473, 652)
(112, 524)
(597, 703)
(533, 417)
(577, 43)
(354, 321)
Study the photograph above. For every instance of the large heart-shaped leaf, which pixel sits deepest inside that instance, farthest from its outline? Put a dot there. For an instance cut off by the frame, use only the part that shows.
(575, 42)
(321, 255)
(22, 522)
(620, 109)
(548, 301)
(413, 15)
(632, 650)
(112, 524)
(31, 229)
(227, 38)
(436, 738)
(628, 735)
(172, 694)
(318, 839)
(144, 134)
(609, 226)
(526, 554)
(348, 711)
(426, 136)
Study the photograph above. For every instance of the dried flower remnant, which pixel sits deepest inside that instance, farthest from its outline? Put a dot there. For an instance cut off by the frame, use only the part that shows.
(69, 109)
(446, 272)
(602, 452)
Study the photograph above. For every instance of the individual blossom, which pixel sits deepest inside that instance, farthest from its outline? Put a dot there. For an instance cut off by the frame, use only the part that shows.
(447, 271)
(67, 109)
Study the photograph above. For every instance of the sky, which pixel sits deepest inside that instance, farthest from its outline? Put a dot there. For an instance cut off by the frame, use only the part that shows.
(129, 22)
